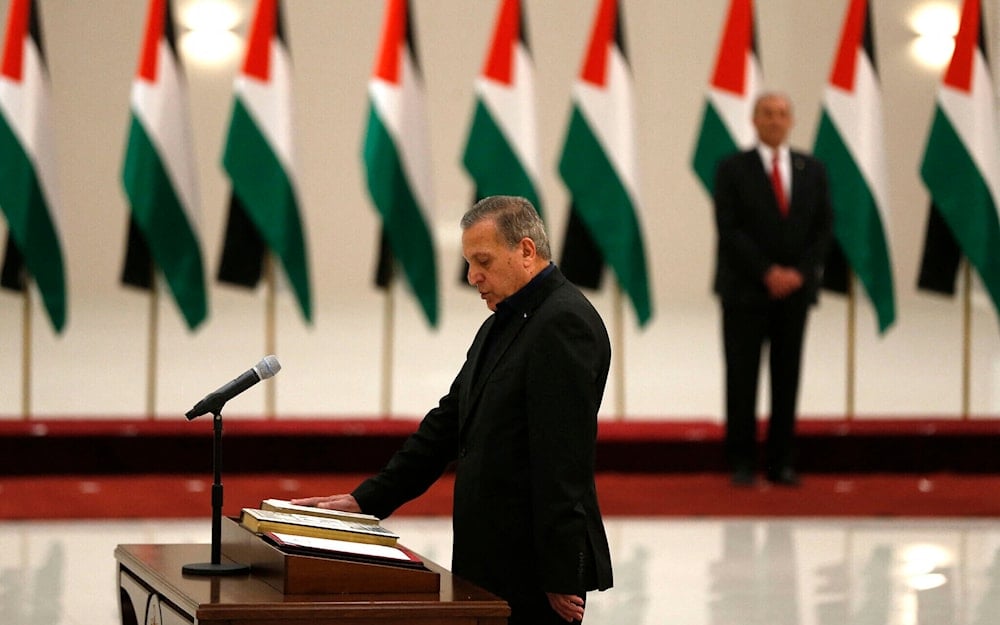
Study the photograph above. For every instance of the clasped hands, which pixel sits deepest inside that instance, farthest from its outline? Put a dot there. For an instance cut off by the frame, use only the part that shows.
(782, 281)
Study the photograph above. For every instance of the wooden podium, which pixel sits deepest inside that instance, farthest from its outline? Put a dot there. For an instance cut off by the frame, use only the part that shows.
(294, 589)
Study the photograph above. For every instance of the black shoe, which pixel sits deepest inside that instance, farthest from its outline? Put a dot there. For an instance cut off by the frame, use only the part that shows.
(784, 477)
(743, 477)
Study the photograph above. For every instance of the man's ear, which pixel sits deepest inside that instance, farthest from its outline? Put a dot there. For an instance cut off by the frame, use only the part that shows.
(528, 250)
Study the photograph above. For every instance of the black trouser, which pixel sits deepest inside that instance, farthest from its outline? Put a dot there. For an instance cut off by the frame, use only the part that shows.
(781, 324)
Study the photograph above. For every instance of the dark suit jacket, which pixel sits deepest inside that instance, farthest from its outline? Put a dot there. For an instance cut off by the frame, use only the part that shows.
(752, 234)
(523, 434)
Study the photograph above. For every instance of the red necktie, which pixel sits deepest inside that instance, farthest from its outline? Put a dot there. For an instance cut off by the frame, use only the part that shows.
(779, 189)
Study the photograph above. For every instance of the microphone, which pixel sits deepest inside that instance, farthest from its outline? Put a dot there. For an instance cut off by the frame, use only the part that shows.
(213, 402)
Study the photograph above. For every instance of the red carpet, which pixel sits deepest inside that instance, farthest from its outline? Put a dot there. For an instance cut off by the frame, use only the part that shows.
(632, 494)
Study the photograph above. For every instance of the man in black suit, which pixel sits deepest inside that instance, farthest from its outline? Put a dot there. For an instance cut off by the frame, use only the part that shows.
(774, 221)
(520, 424)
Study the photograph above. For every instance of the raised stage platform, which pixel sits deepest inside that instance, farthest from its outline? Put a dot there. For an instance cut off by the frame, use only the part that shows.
(140, 446)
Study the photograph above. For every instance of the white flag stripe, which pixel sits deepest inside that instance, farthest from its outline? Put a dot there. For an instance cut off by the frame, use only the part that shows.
(28, 103)
(162, 109)
(736, 110)
(610, 113)
(402, 110)
(270, 105)
(974, 119)
(513, 109)
(858, 117)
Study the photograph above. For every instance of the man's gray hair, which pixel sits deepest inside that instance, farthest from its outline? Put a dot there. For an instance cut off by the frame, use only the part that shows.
(767, 95)
(515, 217)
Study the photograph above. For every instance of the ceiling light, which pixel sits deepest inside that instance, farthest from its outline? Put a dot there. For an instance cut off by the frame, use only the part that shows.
(210, 38)
(935, 24)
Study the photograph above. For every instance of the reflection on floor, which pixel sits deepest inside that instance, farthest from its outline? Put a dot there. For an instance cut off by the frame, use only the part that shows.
(696, 572)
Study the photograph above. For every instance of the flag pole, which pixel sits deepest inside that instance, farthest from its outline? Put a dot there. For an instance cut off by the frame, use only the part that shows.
(152, 347)
(270, 340)
(619, 356)
(851, 340)
(966, 337)
(388, 336)
(26, 354)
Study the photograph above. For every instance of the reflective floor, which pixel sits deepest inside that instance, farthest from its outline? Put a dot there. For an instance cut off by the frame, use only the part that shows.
(667, 571)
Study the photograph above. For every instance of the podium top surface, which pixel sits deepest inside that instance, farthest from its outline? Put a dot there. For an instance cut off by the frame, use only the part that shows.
(247, 598)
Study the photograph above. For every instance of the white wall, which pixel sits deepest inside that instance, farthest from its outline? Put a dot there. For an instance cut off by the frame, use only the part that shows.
(671, 369)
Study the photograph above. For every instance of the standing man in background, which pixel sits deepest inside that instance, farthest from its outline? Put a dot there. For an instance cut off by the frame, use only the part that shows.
(520, 423)
(774, 221)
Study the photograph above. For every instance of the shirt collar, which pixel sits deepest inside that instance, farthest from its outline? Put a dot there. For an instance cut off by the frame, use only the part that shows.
(767, 153)
(515, 302)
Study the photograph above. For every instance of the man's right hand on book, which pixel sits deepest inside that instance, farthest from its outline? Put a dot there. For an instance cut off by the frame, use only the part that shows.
(347, 503)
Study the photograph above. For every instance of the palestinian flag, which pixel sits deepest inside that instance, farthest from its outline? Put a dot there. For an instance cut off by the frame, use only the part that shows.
(727, 126)
(501, 154)
(397, 157)
(849, 142)
(599, 158)
(28, 196)
(259, 159)
(961, 165)
(159, 174)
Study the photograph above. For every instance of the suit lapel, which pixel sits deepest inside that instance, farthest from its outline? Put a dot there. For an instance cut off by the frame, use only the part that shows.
(500, 346)
(472, 366)
(798, 180)
(762, 179)
(482, 365)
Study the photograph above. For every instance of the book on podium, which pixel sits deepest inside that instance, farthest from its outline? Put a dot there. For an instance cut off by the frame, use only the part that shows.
(263, 521)
(293, 564)
(397, 555)
(283, 505)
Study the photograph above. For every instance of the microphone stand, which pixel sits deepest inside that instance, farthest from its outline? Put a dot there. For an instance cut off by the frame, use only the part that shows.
(216, 566)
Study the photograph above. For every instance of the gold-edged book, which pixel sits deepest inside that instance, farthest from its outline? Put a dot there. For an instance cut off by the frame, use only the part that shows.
(263, 521)
(283, 505)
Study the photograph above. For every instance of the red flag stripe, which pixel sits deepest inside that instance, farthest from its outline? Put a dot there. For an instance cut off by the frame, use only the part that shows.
(595, 65)
(959, 74)
(500, 62)
(258, 60)
(737, 42)
(845, 67)
(393, 40)
(150, 44)
(17, 30)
